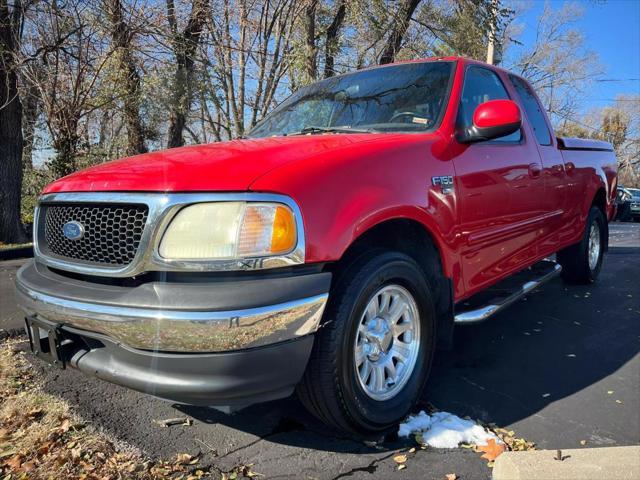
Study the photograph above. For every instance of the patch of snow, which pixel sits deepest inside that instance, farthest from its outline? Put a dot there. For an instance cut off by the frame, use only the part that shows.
(445, 430)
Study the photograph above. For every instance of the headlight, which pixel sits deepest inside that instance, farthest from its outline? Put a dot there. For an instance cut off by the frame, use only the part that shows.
(227, 230)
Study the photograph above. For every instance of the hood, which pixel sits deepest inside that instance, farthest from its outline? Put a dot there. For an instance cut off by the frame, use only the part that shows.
(224, 166)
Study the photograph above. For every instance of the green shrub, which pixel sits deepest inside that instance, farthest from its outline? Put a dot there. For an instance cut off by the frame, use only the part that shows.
(33, 181)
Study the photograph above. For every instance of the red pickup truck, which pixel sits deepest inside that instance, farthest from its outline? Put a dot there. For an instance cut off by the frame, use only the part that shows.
(329, 252)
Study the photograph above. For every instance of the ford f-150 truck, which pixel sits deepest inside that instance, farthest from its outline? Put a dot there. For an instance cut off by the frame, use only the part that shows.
(329, 252)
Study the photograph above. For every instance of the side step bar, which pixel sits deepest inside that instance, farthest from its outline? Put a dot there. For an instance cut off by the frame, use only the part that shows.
(483, 312)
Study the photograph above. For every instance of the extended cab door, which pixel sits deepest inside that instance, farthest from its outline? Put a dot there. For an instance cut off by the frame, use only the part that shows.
(556, 229)
(500, 191)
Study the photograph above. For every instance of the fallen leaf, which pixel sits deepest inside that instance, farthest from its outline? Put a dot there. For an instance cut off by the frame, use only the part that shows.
(247, 472)
(76, 453)
(28, 467)
(451, 476)
(184, 458)
(44, 449)
(34, 412)
(14, 462)
(491, 450)
(400, 458)
(65, 425)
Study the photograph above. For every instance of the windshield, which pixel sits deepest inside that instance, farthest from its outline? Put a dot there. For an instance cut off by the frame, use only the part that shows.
(403, 98)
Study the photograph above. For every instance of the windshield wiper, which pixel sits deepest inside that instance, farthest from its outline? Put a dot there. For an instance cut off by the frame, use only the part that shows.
(313, 130)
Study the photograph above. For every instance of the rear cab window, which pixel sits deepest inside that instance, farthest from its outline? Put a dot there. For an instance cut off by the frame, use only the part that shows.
(533, 109)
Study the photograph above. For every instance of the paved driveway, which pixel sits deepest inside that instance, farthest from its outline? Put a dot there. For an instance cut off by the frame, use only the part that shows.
(543, 368)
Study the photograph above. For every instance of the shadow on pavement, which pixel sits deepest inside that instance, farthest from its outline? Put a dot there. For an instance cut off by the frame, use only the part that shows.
(549, 346)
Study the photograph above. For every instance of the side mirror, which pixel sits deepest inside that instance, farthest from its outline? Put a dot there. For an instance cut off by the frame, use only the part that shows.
(492, 119)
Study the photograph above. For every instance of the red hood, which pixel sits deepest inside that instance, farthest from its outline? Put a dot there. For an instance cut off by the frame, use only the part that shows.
(225, 166)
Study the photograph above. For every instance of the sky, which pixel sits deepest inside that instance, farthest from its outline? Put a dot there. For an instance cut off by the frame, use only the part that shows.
(612, 30)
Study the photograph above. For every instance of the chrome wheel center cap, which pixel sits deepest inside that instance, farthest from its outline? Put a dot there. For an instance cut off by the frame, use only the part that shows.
(378, 338)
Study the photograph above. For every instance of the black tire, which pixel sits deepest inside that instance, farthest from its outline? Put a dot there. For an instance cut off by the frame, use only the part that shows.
(575, 259)
(330, 388)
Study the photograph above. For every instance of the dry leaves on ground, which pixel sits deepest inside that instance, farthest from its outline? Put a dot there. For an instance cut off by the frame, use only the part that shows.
(512, 442)
(40, 437)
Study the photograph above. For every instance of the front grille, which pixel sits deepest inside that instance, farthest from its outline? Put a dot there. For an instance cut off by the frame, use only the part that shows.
(112, 233)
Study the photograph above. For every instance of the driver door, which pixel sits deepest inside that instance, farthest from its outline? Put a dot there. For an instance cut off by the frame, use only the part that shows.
(500, 191)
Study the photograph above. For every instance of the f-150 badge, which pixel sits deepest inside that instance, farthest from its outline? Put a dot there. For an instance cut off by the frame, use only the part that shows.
(444, 182)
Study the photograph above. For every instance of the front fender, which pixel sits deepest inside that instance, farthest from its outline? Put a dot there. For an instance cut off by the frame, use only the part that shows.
(344, 194)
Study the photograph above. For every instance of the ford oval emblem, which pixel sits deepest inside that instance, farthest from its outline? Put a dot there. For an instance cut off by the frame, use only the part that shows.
(73, 230)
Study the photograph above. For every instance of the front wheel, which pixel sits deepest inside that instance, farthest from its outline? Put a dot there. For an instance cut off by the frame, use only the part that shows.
(372, 355)
(581, 263)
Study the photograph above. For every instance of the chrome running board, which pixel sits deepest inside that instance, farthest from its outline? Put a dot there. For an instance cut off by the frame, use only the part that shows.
(478, 314)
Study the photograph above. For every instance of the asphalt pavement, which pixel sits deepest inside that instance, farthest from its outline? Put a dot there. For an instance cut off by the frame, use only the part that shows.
(560, 368)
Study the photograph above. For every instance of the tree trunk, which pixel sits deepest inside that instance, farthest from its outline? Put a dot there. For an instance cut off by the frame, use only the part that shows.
(331, 45)
(121, 35)
(311, 50)
(11, 230)
(185, 46)
(405, 12)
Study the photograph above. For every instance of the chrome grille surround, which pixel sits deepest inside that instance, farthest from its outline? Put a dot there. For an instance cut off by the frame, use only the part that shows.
(162, 207)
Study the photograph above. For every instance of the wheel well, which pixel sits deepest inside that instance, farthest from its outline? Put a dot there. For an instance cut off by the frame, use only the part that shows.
(411, 238)
(600, 201)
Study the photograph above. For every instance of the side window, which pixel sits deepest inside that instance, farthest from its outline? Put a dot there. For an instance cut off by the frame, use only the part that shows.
(535, 115)
(482, 85)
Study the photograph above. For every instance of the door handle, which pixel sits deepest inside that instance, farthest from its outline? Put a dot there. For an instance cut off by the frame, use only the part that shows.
(535, 169)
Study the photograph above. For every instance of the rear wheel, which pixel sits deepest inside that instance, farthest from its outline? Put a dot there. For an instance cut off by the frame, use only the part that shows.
(581, 263)
(373, 353)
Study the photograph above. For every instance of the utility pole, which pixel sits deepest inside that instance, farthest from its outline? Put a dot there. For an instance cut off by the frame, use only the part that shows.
(492, 32)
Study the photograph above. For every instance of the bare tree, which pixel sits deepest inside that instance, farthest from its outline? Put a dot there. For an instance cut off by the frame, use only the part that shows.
(331, 42)
(398, 30)
(185, 44)
(65, 61)
(311, 50)
(10, 123)
(245, 70)
(558, 64)
(122, 37)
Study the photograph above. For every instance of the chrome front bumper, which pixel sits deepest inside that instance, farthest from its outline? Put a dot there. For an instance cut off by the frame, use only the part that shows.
(159, 320)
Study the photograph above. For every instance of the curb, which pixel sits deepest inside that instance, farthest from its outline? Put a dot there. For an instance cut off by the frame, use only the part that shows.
(14, 253)
(620, 463)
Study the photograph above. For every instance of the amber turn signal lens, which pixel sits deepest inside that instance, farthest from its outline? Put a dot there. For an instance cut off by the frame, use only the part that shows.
(283, 237)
